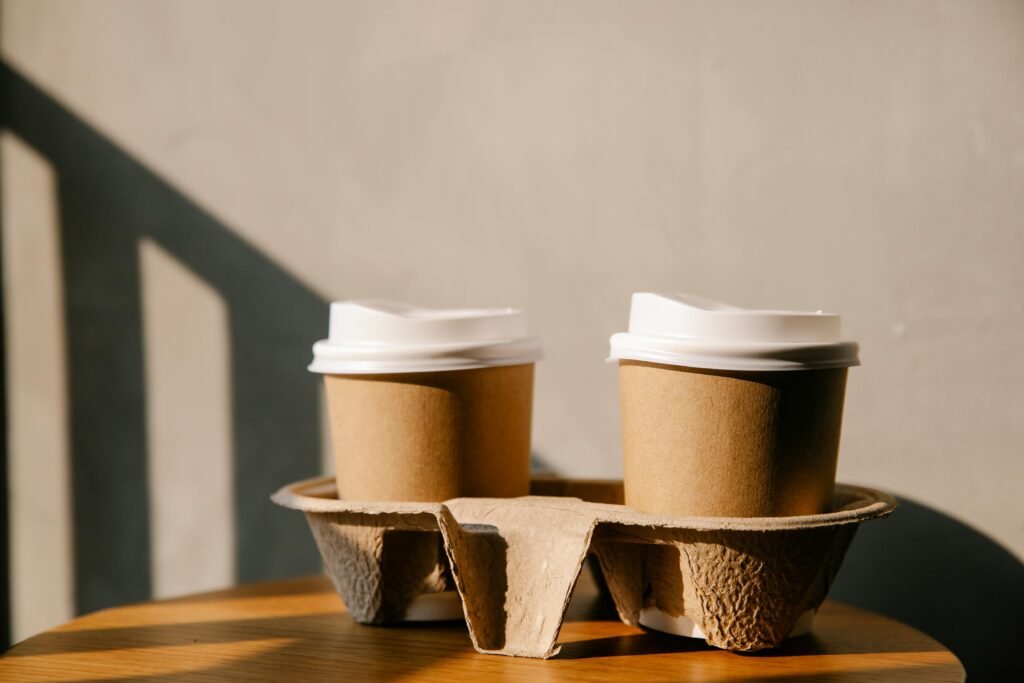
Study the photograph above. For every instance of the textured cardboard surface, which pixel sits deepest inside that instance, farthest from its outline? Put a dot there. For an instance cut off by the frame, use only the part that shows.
(729, 444)
(432, 436)
(745, 581)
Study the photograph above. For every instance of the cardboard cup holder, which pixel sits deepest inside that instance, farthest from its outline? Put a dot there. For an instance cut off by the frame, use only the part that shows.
(740, 583)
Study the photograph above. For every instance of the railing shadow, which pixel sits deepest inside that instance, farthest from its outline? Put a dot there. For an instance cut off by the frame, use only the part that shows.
(108, 201)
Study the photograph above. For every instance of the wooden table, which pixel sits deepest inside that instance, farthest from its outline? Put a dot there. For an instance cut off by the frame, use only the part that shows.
(298, 630)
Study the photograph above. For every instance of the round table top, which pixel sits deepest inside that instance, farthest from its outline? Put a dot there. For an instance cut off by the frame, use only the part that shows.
(298, 630)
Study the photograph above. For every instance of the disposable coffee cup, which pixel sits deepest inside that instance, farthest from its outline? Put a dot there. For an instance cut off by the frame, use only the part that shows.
(729, 412)
(428, 404)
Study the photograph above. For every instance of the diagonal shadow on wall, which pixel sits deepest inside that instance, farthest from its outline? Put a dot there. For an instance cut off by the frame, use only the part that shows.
(108, 201)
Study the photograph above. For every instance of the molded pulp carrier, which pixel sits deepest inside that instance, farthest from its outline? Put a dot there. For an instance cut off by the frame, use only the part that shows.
(744, 582)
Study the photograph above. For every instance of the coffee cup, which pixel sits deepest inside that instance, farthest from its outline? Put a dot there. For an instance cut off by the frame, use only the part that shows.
(729, 412)
(428, 404)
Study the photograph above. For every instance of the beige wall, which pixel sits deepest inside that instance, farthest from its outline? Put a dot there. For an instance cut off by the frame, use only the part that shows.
(862, 157)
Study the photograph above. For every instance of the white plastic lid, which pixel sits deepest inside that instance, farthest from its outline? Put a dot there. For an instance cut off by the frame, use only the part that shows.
(680, 329)
(369, 337)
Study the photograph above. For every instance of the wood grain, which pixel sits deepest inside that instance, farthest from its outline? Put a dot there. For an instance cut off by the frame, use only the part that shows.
(298, 630)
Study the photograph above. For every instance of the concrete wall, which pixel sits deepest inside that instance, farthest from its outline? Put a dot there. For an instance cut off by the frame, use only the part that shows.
(861, 157)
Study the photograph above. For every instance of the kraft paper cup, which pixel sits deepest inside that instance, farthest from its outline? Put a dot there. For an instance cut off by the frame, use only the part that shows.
(719, 443)
(431, 436)
(428, 404)
(728, 412)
